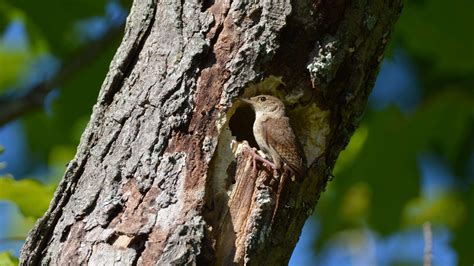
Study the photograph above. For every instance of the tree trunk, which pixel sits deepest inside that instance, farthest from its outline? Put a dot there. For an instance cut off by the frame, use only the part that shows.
(155, 179)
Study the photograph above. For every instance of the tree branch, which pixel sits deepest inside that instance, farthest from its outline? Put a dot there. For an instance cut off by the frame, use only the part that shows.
(428, 237)
(15, 105)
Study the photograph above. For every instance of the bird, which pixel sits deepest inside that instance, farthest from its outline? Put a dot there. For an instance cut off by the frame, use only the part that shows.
(274, 135)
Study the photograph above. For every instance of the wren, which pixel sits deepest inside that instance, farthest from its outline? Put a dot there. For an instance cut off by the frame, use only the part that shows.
(274, 135)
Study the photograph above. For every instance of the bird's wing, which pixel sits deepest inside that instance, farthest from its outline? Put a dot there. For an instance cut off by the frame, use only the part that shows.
(281, 137)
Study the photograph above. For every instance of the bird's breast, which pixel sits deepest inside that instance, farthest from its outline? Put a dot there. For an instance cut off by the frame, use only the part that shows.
(259, 135)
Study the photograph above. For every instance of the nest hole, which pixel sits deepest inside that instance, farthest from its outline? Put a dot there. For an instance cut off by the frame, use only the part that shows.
(241, 124)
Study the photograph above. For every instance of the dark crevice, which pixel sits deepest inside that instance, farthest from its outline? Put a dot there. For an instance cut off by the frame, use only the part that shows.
(65, 233)
(206, 4)
(207, 257)
(231, 172)
(113, 212)
(138, 244)
(181, 26)
(112, 238)
(256, 15)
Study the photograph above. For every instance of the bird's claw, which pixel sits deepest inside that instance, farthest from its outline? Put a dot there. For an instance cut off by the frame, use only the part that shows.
(256, 157)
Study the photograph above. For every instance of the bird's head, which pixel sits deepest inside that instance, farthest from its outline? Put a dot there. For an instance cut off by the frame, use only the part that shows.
(263, 104)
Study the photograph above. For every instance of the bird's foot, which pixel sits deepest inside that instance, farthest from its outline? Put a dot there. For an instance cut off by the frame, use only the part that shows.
(256, 157)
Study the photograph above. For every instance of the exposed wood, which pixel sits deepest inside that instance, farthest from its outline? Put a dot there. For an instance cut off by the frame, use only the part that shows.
(155, 181)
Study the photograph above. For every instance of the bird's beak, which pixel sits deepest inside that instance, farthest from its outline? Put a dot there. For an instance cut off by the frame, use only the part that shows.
(246, 101)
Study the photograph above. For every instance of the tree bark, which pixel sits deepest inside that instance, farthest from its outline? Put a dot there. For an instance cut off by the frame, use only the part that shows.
(155, 179)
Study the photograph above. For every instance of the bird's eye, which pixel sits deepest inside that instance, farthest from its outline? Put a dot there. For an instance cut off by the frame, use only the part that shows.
(262, 99)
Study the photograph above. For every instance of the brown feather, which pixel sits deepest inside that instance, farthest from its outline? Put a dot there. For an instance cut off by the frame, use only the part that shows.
(284, 142)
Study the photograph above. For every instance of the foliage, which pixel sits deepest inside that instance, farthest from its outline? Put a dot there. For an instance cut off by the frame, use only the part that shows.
(16, 60)
(436, 33)
(31, 197)
(6, 259)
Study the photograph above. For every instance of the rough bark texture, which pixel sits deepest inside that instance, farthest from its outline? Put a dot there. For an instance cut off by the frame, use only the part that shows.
(154, 180)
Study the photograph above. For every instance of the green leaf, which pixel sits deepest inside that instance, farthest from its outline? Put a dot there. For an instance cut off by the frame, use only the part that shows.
(420, 210)
(16, 62)
(31, 197)
(439, 33)
(7, 259)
